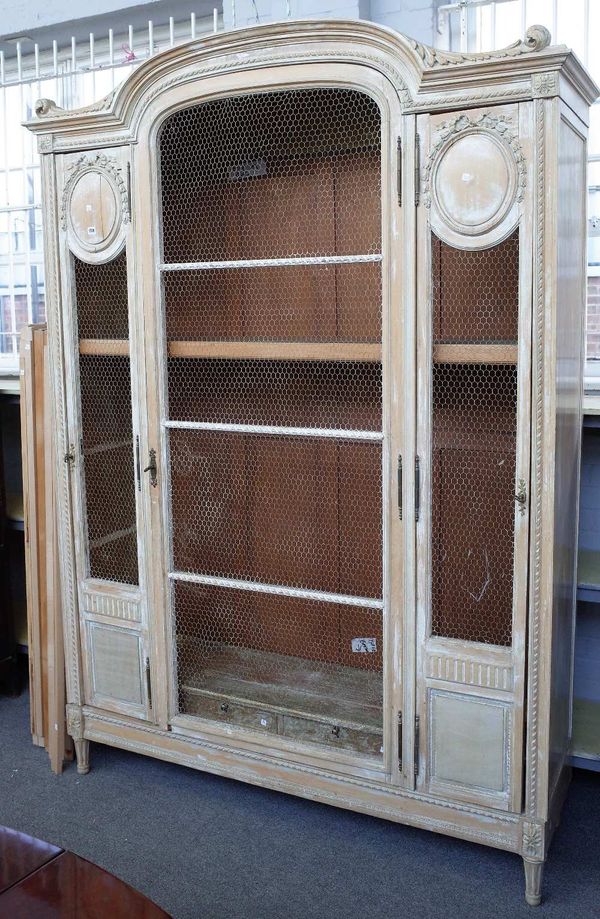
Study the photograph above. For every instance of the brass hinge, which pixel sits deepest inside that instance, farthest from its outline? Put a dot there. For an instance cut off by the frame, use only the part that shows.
(417, 488)
(400, 741)
(129, 188)
(417, 741)
(399, 171)
(148, 683)
(400, 486)
(417, 170)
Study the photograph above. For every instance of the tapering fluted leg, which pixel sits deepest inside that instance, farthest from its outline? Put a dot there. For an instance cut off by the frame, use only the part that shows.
(533, 881)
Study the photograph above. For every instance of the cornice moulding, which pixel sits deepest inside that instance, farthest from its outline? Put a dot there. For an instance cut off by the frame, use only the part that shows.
(418, 72)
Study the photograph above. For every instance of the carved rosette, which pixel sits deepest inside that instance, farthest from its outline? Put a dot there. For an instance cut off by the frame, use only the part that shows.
(533, 840)
(75, 722)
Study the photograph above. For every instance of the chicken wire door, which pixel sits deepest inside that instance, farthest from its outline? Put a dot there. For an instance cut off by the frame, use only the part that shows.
(101, 356)
(274, 418)
(473, 447)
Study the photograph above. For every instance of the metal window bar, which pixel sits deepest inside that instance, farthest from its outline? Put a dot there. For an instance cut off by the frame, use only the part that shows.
(73, 74)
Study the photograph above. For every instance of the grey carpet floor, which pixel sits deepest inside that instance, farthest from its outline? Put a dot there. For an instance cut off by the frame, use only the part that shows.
(209, 848)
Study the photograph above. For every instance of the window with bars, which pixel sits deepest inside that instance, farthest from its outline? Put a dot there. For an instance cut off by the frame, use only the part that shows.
(480, 25)
(73, 74)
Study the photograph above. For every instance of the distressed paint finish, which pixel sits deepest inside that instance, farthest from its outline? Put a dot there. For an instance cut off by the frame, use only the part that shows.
(511, 106)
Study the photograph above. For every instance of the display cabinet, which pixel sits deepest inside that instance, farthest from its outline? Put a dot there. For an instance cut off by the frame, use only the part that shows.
(316, 300)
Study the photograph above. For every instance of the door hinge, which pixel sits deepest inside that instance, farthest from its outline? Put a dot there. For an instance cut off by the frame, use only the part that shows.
(129, 189)
(138, 464)
(152, 468)
(400, 486)
(400, 741)
(399, 171)
(417, 488)
(417, 742)
(70, 456)
(417, 170)
(148, 683)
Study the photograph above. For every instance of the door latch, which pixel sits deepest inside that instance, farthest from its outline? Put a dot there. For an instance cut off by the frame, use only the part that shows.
(152, 468)
(400, 741)
(70, 456)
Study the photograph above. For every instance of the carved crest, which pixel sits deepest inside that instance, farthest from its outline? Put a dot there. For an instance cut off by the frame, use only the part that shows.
(533, 840)
(536, 39)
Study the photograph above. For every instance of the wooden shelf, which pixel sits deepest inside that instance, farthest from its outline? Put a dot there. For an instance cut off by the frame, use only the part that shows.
(586, 732)
(588, 576)
(248, 350)
(108, 346)
(475, 354)
(277, 350)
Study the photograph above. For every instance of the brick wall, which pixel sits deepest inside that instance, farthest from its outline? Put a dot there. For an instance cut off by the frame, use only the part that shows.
(593, 319)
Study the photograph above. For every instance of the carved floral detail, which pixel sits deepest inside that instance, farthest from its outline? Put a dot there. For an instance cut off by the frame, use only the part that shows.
(74, 722)
(498, 124)
(536, 39)
(533, 839)
(545, 84)
(102, 163)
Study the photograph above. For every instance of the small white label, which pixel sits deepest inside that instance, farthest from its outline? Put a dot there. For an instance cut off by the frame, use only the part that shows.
(264, 722)
(88, 208)
(253, 169)
(364, 645)
(91, 231)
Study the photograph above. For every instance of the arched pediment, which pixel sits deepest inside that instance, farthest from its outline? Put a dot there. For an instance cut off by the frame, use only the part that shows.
(423, 77)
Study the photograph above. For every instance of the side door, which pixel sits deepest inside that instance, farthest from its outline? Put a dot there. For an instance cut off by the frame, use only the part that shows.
(473, 452)
(101, 347)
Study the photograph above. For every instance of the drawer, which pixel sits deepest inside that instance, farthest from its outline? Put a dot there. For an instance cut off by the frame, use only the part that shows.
(333, 735)
(225, 710)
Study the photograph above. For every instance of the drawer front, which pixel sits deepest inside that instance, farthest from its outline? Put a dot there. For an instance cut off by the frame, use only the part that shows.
(333, 735)
(222, 709)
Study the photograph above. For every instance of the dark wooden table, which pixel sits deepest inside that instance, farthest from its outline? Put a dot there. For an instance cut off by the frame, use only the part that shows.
(40, 881)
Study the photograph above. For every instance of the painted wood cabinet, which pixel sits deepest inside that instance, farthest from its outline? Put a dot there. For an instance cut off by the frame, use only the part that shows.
(316, 299)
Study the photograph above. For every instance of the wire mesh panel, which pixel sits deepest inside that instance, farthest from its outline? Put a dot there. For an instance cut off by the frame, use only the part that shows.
(319, 394)
(300, 512)
(474, 425)
(275, 303)
(106, 424)
(272, 175)
(473, 481)
(271, 233)
(102, 298)
(476, 292)
(280, 654)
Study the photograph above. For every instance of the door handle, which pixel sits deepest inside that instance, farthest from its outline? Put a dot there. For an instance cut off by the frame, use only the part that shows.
(152, 468)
